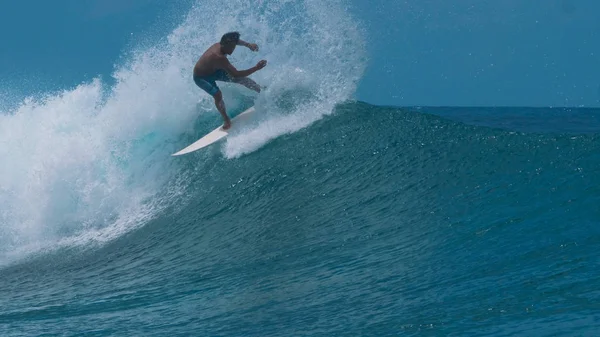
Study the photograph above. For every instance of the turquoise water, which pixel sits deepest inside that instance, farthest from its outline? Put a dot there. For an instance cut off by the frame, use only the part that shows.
(372, 221)
(324, 215)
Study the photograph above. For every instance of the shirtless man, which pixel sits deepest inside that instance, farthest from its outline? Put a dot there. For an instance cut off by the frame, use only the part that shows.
(214, 66)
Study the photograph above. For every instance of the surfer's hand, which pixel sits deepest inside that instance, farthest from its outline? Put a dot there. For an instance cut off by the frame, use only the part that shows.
(261, 64)
(226, 124)
(253, 46)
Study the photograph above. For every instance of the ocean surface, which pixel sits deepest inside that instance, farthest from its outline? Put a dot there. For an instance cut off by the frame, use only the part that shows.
(371, 221)
(323, 215)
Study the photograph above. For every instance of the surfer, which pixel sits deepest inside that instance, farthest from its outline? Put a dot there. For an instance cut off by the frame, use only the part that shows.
(214, 66)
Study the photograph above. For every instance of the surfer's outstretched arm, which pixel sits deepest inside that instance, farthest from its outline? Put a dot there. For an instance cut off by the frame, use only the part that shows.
(251, 46)
(243, 73)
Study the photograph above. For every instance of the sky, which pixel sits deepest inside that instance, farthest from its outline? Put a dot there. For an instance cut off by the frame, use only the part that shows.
(421, 52)
(483, 52)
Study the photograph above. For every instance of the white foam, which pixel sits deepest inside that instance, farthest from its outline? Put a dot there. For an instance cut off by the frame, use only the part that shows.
(315, 69)
(89, 164)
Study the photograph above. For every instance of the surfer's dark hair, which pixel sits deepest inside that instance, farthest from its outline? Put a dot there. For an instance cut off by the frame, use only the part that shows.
(231, 37)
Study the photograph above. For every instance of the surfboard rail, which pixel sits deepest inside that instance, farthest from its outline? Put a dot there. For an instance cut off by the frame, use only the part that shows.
(215, 135)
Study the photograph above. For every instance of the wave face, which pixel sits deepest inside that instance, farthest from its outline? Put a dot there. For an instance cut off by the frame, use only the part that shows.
(90, 164)
(372, 220)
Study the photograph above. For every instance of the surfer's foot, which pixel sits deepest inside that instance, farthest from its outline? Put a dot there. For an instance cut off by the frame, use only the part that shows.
(226, 124)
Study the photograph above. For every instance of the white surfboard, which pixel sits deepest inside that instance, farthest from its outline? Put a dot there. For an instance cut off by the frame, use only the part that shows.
(216, 134)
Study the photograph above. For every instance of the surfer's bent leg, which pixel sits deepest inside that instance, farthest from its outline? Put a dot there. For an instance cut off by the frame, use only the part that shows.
(220, 104)
(209, 85)
(223, 76)
(248, 83)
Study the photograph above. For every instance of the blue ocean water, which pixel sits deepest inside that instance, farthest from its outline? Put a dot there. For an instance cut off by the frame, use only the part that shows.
(372, 221)
(323, 216)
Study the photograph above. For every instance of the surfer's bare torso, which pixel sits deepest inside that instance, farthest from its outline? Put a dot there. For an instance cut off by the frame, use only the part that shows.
(212, 60)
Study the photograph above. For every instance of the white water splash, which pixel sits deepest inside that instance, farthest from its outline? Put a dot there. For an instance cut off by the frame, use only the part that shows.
(89, 164)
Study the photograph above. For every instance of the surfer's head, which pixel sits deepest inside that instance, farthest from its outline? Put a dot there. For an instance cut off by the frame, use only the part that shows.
(229, 41)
